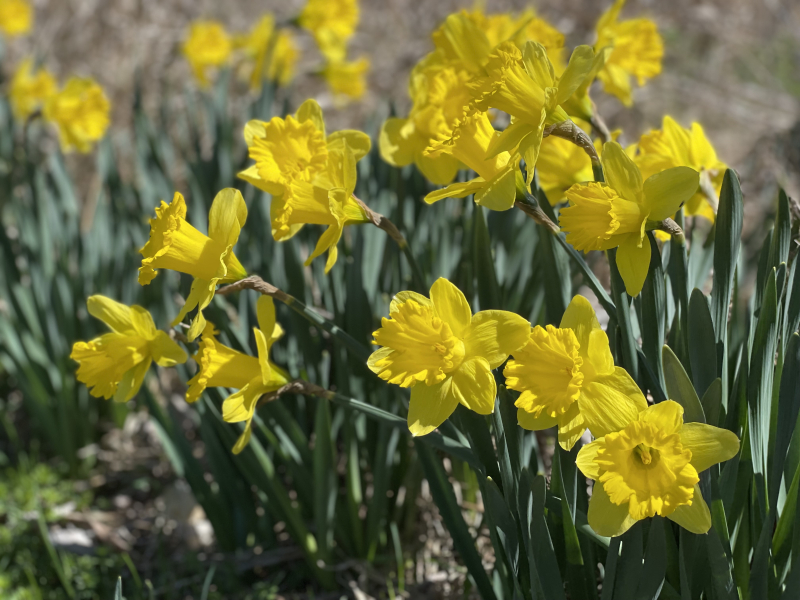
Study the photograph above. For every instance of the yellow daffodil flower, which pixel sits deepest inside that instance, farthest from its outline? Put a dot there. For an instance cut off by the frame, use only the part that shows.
(470, 142)
(332, 23)
(174, 244)
(649, 466)
(601, 216)
(438, 88)
(292, 157)
(329, 201)
(114, 364)
(273, 53)
(468, 37)
(637, 50)
(444, 353)
(566, 376)
(523, 84)
(30, 89)
(346, 79)
(560, 165)
(80, 111)
(207, 45)
(221, 366)
(16, 17)
(674, 146)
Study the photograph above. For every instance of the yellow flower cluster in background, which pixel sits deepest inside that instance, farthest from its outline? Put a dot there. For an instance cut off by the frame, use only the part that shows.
(80, 110)
(310, 175)
(16, 17)
(267, 51)
(332, 23)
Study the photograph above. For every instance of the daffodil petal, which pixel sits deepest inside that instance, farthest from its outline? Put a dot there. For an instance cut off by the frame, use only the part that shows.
(310, 110)
(265, 312)
(611, 402)
(132, 381)
(510, 138)
(439, 170)
(263, 355)
(500, 192)
(456, 190)
(585, 459)
(667, 191)
(581, 318)
(605, 517)
(533, 423)
(241, 405)
(666, 415)
(580, 65)
(396, 149)
(709, 445)
(694, 517)
(114, 314)
(494, 334)
(143, 322)
(165, 351)
(621, 172)
(227, 216)
(633, 262)
(474, 386)
(451, 305)
(358, 141)
(244, 438)
(401, 297)
(430, 406)
(598, 353)
(571, 426)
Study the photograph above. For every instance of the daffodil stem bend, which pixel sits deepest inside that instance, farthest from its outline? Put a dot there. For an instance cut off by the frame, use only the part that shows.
(381, 222)
(254, 282)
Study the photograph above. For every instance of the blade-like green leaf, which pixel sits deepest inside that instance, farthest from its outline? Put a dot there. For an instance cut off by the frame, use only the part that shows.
(702, 349)
(680, 389)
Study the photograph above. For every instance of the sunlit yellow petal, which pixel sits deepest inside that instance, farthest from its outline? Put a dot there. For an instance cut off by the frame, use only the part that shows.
(605, 517)
(430, 406)
(709, 445)
(114, 314)
(633, 262)
(611, 402)
(585, 460)
(695, 517)
(494, 334)
(666, 192)
(451, 305)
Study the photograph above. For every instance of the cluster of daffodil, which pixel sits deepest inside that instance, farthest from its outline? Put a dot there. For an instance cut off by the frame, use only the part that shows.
(265, 52)
(488, 70)
(16, 17)
(333, 23)
(79, 110)
(645, 459)
(115, 364)
(271, 52)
